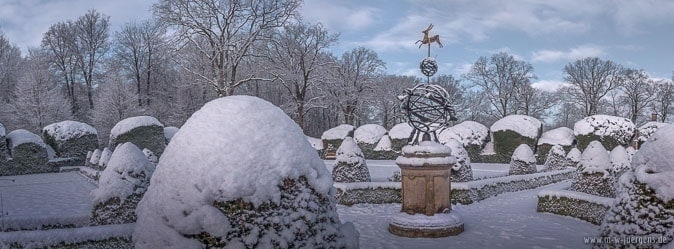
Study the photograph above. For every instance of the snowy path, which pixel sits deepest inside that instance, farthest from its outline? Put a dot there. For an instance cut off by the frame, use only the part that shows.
(51, 198)
(506, 221)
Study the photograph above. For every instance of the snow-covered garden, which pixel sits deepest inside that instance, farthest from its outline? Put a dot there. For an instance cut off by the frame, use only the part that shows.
(241, 174)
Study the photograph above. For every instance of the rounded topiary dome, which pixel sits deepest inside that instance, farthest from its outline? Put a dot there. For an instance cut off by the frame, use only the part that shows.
(240, 173)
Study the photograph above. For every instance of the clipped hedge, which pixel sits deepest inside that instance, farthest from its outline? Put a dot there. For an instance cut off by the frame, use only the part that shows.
(608, 142)
(151, 137)
(505, 143)
(544, 149)
(583, 206)
(71, 139)
(28, 157)
(112, 212)
(377, 193)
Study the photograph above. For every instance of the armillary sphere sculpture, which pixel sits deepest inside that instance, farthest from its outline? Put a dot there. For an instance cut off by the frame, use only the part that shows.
(427, 106)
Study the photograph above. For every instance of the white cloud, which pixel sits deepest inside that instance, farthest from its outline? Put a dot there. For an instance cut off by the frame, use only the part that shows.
(549, 85)
(582, 51)
(337, 15)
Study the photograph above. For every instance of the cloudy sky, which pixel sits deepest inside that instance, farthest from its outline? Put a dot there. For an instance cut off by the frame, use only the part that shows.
(549, 34)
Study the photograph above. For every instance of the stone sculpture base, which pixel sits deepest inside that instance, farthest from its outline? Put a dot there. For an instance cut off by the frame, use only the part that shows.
(422, 226)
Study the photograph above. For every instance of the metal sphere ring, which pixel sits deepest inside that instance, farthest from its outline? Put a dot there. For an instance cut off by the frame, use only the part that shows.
(428, 66)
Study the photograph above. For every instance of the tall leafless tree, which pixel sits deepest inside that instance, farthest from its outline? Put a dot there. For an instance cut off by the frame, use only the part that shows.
(591, 80)
(38, 99)
(140, 49)
(58, 41)
(296, 57)
(92, 31)
(501, 77)
(356, 71)
(223, 32)
(10, 64)
(664, 95)
(638, 92)
(383, 103)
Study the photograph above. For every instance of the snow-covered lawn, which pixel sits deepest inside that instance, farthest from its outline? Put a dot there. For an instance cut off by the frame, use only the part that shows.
(51, 198)
(506, 221)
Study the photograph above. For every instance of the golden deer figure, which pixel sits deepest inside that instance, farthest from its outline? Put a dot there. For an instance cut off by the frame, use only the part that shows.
(429, 39)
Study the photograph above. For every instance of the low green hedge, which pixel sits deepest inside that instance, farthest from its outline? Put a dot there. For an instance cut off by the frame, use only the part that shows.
(506, 141)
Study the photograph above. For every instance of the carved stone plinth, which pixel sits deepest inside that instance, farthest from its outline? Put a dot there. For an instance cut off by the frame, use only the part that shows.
(426, 170)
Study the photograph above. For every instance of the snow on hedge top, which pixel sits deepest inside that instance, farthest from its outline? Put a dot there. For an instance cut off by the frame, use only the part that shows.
(169, 132)
(129, 124)
(2, 130)
(649, 128)
(620, 160)
(237, 147)
(384, 144)
(524, 154)
(369, 133)
(467, 133)
(562, 136)
(605, 125)
(595, 159)
(69, 129)
(349, 152)
(400, 131)
(574, 155)
(339, 132)
(521, 124)
(128, 172)
(426, 147)
(654, 165)
(315, 142)
(21, 136)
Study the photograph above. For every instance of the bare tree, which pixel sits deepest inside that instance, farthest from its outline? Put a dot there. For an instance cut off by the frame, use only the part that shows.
(140, 49)
(536, 102)
(38, 99)
(58, 41)
(91, 45)
(356, 71)
(383, 103)
(591, 79)
(638, 92)
(223, 31)
(116, 100)
(10, 64)
(501, 77)
(664, 95)
(296, 57)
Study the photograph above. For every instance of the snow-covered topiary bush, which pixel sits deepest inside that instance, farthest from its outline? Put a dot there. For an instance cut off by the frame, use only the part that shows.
(511, 131)
(630, 152)
(384, 149)
(399, 135)
(573, 157)
(646, 130)
(522, 161)
(350, 163)
(471, 134)
(143, 131)
(461, 171)
(556, 159)
(28, 152)
(594, 172)
(105, 157)
(71, 138)
(611, 131)
(169, 132)
(333, 137)
(367, 136)
(95, 158)
(240, 174)
(562, 136)
(644, 207)
(150, 156)
(121, 186)
(620, 161)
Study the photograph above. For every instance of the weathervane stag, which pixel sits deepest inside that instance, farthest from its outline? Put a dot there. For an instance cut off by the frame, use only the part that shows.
(429, 39)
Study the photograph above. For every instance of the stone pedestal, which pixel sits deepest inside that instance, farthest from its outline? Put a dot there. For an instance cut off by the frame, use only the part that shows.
(426, 170)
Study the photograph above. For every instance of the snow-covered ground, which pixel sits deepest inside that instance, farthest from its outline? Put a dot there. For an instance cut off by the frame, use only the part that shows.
(52, 198)
(506, 221)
